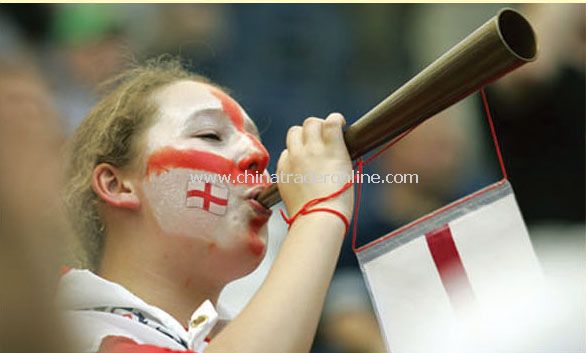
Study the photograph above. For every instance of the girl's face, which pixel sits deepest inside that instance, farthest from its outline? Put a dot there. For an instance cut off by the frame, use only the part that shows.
(204, 167)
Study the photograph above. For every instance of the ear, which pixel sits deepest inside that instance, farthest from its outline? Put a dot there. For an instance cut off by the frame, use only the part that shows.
(111, 186)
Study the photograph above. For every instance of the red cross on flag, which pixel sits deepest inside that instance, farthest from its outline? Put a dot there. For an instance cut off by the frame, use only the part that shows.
(208, 196)
(462, 279)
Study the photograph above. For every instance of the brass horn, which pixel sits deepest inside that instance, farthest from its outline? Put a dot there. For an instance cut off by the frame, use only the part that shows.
(502, 44)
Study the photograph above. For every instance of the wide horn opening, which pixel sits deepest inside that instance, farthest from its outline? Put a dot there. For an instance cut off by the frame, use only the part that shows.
(517, 34)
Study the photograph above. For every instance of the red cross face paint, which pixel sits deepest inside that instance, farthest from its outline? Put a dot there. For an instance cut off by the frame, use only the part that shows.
(203, 168)
(207, 196)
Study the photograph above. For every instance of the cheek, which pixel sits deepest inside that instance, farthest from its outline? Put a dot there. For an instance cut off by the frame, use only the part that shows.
(186, 199)
(182, 208)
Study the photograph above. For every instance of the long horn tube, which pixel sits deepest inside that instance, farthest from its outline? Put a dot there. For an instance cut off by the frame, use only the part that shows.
(502, 44)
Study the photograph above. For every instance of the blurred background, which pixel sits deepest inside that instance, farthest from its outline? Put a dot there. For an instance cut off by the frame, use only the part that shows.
(284, 63)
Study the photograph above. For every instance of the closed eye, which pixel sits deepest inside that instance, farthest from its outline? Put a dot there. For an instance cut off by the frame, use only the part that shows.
(209, 136)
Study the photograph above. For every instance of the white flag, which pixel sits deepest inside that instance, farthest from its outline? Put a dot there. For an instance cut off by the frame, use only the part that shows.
(462, 279)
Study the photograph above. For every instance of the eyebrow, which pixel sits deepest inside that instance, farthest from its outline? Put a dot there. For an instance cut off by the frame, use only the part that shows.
(197, 112)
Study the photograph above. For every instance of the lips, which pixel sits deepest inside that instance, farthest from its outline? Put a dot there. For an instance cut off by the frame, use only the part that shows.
(259, 208)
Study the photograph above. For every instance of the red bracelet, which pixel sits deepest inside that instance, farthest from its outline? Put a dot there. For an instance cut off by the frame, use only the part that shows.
(305, 208)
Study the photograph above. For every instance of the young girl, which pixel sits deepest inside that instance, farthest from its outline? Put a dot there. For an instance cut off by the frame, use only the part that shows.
(158, 192)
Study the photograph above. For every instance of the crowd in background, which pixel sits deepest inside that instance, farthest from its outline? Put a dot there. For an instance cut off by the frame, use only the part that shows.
(284, 63)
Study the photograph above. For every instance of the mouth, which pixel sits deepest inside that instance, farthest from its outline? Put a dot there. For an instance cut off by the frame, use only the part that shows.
(258, 207)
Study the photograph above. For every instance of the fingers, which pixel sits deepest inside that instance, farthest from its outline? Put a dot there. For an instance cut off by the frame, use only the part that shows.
(294, 139)
(312, 131)
(316, 132)
(332, 128)
(283, 159)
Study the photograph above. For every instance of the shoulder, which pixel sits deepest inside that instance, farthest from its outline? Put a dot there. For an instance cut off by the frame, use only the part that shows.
(90, 328)
(121, 344)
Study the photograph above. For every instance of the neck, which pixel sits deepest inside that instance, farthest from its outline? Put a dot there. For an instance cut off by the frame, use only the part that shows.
(148, 275)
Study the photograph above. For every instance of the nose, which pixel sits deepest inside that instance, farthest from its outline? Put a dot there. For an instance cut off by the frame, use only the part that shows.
(255, 157)
(254, 162)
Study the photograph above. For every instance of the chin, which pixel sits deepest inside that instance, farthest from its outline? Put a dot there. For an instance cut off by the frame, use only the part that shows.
(247, 247)
(250, 249)
(236, 262)
(233, 251)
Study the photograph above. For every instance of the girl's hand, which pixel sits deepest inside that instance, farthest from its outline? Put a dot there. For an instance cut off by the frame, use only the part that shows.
(316, 163)
(307, 259)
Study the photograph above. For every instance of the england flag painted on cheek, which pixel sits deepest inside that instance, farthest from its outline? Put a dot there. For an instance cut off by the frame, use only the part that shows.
(207, 196)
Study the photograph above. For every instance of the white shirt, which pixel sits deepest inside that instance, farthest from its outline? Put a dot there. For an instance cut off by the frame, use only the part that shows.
(96, 308)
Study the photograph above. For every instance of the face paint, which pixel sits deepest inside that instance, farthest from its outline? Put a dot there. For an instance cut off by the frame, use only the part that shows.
(207, 196)
(169, 158)
(230, 107)
(233, 110)
(179, 148)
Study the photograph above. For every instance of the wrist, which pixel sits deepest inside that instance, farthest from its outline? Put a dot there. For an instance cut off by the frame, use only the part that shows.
(313, 206)
(339, 204)
(322, 222)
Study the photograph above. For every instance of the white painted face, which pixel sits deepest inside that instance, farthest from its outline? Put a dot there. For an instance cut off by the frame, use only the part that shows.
(198, 151)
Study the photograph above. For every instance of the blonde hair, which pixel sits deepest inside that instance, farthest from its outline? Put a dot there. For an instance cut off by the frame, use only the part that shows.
(110, 134)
